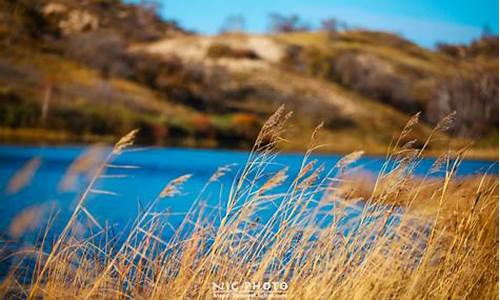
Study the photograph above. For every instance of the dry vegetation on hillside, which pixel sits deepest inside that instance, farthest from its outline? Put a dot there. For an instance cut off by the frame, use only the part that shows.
(74, 71)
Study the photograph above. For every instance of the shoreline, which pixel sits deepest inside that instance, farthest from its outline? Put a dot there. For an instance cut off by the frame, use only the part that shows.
(42, 137)
(428, 154)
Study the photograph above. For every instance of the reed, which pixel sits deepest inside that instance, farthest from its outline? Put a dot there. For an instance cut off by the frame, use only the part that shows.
(330, 234)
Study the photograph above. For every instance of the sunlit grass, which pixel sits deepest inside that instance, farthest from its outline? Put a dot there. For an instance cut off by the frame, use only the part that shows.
(328, 233)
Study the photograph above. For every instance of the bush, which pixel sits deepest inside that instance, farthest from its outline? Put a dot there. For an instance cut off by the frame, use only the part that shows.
(457, 51)
(485, 46)
(92, 119)
(151, 132)
(474, 97)
(292, 23)
(245, 125)
(178, 81)
(16, 112)
(224, 51)
(367, 74)
(202, 126)
(102, 50)
(375, 78)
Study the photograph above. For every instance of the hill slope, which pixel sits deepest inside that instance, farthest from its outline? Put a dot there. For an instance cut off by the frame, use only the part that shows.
(102, 78)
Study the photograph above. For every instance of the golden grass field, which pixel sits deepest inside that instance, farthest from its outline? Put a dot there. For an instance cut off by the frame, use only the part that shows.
(413, 237)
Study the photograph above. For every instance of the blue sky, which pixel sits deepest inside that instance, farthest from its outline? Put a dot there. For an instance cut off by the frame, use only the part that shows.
(423, 21)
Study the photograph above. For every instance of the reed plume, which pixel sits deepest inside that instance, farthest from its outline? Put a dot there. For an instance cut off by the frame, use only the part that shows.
(28, 219)
(126, 141)
(23, 176)
(85, 164)
(348, 159)
(173, 188)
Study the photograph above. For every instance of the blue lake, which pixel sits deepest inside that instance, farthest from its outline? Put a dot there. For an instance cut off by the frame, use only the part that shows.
(157, 166)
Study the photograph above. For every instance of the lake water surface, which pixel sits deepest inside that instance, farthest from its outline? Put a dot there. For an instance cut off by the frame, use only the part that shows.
(157, 166)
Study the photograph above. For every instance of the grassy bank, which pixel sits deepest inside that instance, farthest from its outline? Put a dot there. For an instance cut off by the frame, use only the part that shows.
(328, 237)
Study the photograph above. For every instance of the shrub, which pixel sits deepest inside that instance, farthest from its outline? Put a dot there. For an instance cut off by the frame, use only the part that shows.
(101, 49)
(178, 81)
(151, 132)
(16, 112)
(364, 73)
(225, 51)
(485, 46)
(457, 51)
(292, 23)
(474, 96)
(202, 126)
(245, 125)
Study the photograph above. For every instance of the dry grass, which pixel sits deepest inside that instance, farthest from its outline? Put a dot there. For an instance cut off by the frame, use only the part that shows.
(23, 176)
(322, 236)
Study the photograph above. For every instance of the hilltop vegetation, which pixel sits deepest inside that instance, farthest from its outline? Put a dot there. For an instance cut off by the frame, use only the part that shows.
(397, 72)
(89, 70)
